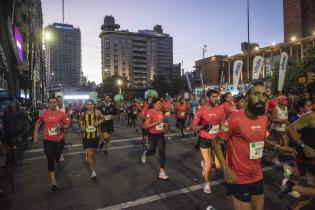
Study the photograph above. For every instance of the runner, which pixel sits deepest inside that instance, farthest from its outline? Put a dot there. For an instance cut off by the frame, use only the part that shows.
(210, 117)
(227, 104)
(279, 119)
(143, 116)
(135, 109)
(120, 107)
(167, 110)
(193, 108)
(109, 111)
(61, 107)
(240, 103)
(302, 132)
(154, 124)
(245, 134)
(55, 122)
(89, 123)
(180, 111)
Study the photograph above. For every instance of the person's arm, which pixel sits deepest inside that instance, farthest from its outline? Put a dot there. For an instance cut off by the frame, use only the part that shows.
(65, 123)
(195, 122)
(37, 125)
(303, 122)
(99, 117)
(147, 123)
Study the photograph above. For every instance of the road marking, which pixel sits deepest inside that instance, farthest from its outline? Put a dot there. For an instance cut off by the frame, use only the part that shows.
(112, 141)
(109, 148)
(161, 196)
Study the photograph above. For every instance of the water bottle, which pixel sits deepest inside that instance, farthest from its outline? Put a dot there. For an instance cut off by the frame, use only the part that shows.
(210, 208)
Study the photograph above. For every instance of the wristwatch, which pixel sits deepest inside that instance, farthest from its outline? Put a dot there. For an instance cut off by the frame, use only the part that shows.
(302, 145)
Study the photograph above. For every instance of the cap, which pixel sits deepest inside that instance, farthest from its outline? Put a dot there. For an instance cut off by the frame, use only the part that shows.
(253, 83)
(282, 97)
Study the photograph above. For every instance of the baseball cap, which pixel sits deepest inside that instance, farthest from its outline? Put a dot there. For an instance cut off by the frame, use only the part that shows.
(253, 83)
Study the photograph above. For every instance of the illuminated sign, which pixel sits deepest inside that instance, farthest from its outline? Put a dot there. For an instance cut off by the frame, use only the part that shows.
(19, 43)
(74, 97)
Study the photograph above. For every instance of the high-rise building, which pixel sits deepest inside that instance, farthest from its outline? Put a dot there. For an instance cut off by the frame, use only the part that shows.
(63, 56)
(299, 19)
(138, 56)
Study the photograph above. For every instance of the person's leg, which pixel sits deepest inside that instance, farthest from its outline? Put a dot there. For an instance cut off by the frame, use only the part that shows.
(161, 146)
(307, 190)
(152, 145)
(205, 152)
(50, 155)
(106, 139)
(284, 139)
(258, 202)
(90, 156)
(182, 125)
(278, 139)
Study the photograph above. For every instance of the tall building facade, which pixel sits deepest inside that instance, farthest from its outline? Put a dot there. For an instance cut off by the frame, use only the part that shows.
(299, 18)
(63, 56)
(138, 56)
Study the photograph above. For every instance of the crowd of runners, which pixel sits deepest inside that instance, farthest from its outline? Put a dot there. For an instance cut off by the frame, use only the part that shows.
(232, 134)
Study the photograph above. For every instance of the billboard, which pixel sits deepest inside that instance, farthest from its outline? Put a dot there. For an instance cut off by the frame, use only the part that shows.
(19, 43)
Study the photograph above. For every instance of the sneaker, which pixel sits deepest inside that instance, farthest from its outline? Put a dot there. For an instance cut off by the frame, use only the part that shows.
(61, 158)
(169, 138)
(93, 176)
(207, 188)
(285, 189)
(143, 157)
(54, 186)
(295, 194)
(276, 161)
(163, 175)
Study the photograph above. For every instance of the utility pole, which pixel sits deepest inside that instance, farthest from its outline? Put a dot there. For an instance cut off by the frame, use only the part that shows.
(63, 11)
(203, 70)
(248, 43)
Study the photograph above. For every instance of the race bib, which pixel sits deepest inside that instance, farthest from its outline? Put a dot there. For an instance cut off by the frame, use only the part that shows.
(167, 113)
(135, 112)
(108, 117)
(214, 129)
(159, 127)
(256, 150)
(182, 114)
(90, 128)
(194, 110)
(129, 111)
(53, 131)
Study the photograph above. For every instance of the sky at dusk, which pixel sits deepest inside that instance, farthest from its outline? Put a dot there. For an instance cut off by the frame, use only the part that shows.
(220, 24)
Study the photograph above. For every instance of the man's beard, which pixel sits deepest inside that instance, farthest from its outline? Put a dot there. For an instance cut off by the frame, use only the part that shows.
(256, 109)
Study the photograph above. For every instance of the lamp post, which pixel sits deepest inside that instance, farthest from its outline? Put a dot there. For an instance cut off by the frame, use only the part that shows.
(203, 69)
(248, 43)
(119, 83)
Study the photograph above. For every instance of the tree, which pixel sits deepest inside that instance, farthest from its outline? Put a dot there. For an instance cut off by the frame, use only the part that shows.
(164, 85)
(110, 86)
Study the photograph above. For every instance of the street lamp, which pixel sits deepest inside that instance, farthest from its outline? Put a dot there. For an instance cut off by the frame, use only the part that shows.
(293, 38)
(203, 70)
(119, 83)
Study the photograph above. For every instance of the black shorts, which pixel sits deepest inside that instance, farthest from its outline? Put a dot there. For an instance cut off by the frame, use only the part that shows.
(90, 143)
(107, 126)
(144, 132)
(133, 116)
(303, 167)
(205, 143)
(121, 111)
(244, 192)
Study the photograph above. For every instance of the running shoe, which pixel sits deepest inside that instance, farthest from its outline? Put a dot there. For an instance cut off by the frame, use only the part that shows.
(276, 161)
(207, 188)
(143, 157)
(285, 189)
(295, 194)
(54, 186)
(93, 176)
(163, 175)
(169, 138)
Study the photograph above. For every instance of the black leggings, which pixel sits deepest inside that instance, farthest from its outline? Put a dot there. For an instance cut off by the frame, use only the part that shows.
(53, 150)
(181, 124)
(157, 139)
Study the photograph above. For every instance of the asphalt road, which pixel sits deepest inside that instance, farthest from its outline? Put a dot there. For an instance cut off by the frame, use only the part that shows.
(123, 182)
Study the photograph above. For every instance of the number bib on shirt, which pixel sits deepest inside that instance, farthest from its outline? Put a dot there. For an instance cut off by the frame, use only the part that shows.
(182, 114)
(108, 117)
(167, 114)
(159, 127)
(53, 131)
(135, 112)
(256, 150)
(90, 128)
(214, 129)
(194, 110)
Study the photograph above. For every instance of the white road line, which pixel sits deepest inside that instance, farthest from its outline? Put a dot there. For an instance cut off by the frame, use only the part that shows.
(80, 145)
(161, 196)
(110, 148)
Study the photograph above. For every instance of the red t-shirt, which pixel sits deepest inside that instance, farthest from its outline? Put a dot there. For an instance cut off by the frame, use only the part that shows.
(271, 104)
(244, 135)
(207, 115)
(50, 119)
(181, 109)
(228, 108)
(166, 108)
(154, 116)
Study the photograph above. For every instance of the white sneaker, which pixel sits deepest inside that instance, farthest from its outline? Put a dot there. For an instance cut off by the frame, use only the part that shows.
(144, 158)
(295, 194)
(163, 175)
(61, 158)
(93, 176)
(276, 161)
(207, 188)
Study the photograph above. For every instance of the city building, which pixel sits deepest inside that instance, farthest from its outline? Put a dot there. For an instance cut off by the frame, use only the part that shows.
(21, 63)
(63, 56)
(137, 56)
(299, 19)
